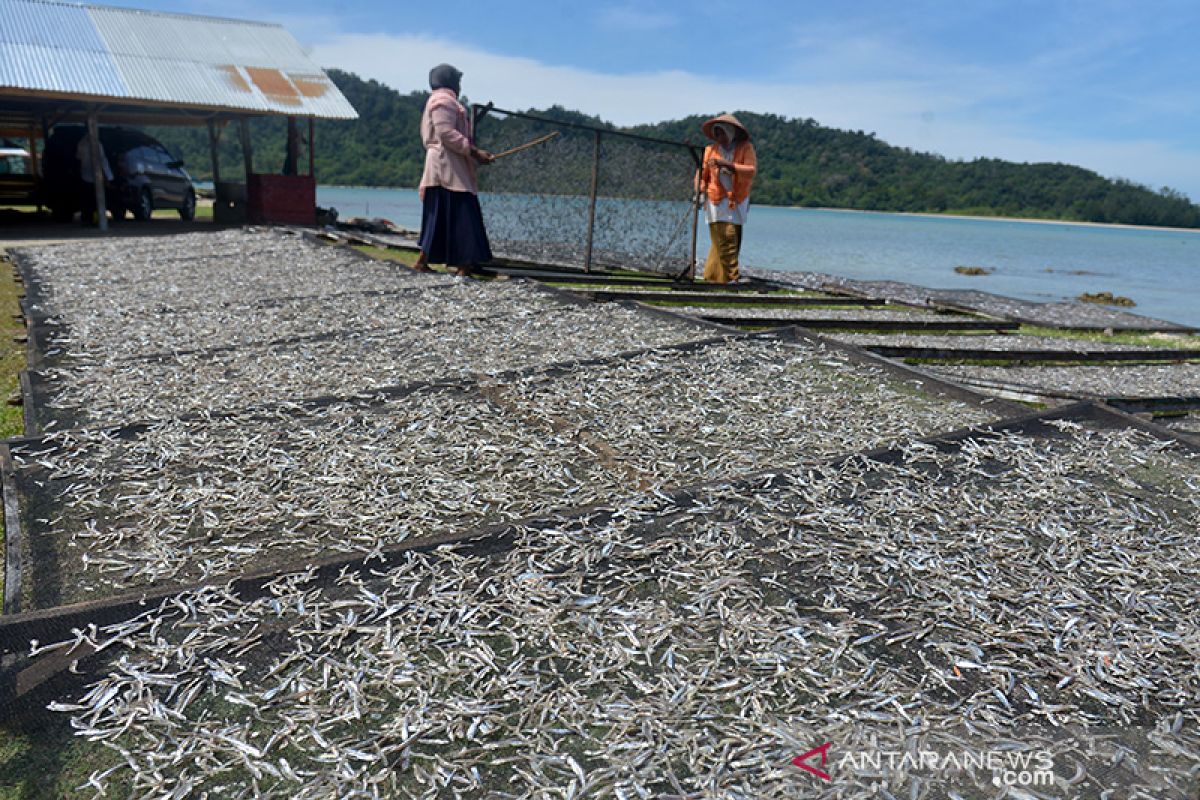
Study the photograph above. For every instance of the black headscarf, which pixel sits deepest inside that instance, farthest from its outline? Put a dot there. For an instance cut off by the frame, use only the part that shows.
(444, 76)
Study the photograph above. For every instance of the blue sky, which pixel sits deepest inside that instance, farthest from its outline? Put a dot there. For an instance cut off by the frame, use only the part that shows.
(1107, 85)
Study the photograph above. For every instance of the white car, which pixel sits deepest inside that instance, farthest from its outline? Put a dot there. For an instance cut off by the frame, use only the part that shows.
(18, 184)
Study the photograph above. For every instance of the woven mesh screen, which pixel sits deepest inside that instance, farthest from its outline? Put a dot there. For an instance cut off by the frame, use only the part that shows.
(538, 203)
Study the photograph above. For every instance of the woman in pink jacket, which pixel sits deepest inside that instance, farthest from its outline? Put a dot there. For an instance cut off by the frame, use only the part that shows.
(452, 231)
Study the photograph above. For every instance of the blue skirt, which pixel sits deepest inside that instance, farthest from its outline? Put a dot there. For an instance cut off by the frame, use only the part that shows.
(452, 231)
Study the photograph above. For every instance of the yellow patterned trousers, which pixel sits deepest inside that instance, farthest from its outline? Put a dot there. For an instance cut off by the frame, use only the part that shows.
(722, 263)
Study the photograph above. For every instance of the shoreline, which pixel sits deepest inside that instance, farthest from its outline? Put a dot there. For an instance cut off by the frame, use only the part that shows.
(921, 214)
(1036, 220)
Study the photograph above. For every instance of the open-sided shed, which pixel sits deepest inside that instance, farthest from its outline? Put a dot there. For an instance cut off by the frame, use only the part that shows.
(62, 62)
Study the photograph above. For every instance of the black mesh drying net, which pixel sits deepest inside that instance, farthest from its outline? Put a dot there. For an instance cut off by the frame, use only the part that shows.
(587, 197)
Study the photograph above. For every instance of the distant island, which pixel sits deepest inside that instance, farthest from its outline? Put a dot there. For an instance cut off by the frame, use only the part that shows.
(801, 163)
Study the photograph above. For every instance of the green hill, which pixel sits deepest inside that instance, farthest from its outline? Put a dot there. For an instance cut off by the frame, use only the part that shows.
(801, 163)
(804, 164)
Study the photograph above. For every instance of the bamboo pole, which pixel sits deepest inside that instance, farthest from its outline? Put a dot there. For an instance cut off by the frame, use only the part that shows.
(526, 146)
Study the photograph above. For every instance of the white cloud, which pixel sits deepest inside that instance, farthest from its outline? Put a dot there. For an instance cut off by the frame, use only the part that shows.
(518, 83)
(633, 19)
(953, 117)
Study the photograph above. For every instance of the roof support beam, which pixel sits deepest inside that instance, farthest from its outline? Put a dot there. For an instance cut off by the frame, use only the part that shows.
(291, 158)
(93, 135)
(214, 140)
(247, 151)
(33, 150)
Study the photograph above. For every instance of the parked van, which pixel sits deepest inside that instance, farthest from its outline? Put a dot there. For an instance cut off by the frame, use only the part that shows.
(146, 176)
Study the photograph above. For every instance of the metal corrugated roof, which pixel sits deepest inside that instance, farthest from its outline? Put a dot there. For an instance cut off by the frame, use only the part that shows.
(152, 57)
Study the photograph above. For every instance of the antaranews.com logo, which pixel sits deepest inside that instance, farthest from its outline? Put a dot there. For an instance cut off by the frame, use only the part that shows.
(1007, 768)
(1070, 762)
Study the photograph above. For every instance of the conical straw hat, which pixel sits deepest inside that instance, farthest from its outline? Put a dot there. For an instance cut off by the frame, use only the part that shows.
(707, 126)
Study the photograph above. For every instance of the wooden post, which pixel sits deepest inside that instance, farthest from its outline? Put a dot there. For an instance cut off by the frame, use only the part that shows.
(34, 163)
(33, 153)
(93, 133)
(312, 143)
(591, 229)
(247, 152)
(697, 201)
(214, 141)
(291, 149)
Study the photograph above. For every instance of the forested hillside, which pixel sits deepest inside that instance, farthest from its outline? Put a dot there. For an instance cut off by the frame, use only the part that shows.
(800, 163)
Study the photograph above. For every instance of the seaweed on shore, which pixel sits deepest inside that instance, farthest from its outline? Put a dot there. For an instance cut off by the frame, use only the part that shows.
(1106, 298)
(963, 270)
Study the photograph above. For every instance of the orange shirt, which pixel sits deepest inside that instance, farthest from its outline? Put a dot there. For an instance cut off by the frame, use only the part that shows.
(745, 165)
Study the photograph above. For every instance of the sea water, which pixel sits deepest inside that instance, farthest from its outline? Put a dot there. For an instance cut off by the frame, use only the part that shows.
(1157, 268)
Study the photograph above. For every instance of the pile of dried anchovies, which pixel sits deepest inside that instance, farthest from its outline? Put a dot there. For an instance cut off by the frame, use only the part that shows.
(202, 496)
(106, 339)
(427, 347)
(238, 470)
(1015, 594)
(127, 277)
(735, 408)
(191, 499)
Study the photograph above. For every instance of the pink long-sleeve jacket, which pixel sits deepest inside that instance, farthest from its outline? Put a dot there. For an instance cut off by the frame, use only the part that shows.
(447, 138)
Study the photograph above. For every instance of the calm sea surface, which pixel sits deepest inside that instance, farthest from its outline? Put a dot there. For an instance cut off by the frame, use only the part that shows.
(1159, 269)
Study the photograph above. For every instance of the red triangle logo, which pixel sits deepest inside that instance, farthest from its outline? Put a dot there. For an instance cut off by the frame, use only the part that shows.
(801, 761)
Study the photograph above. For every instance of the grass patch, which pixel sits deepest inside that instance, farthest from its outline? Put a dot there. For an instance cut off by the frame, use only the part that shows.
(12, 361)
(653, 281)
(754, 328)
(666, 286)
(12, 353)
(1018, 362)
(405, 257)
(620, 273)
(44, 760)
(720, 304)
(720, 296)
(602, 287)
(1171, 341)
(204, 213)
(865, 329)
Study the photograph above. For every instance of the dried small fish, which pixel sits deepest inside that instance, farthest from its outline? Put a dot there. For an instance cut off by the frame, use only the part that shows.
(1020, 591)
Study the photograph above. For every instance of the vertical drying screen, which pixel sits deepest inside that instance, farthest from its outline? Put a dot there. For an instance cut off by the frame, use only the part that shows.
(587, 197)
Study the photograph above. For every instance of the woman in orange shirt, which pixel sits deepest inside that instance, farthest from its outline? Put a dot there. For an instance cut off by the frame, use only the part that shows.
(725, 179)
